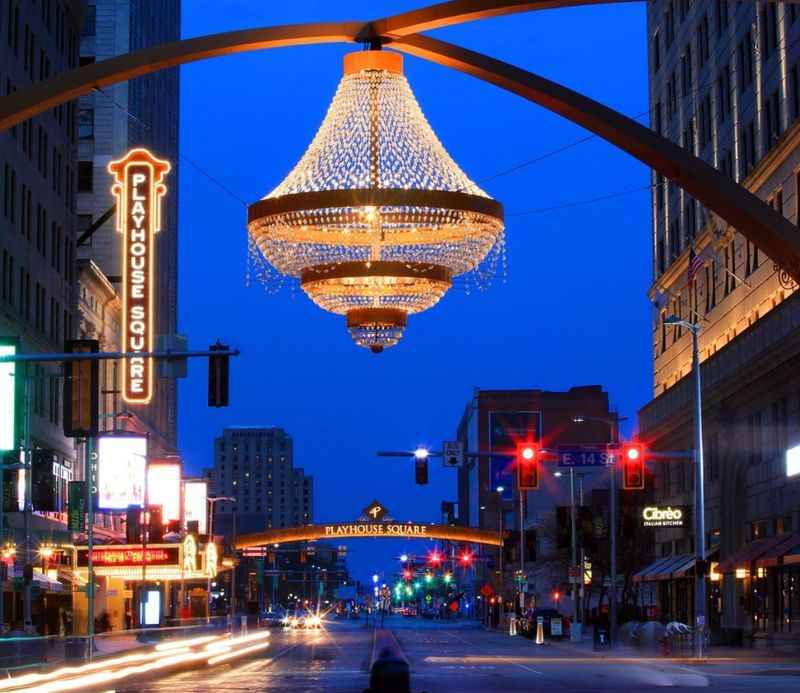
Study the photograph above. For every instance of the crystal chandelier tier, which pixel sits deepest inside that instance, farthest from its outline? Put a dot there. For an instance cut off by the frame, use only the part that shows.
(376, 219)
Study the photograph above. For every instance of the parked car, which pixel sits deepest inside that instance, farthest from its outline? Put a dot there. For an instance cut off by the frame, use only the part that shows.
(271, 618)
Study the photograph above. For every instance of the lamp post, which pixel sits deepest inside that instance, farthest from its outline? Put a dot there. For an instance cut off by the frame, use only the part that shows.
(699, 490)
(499, 490)
(613, 422)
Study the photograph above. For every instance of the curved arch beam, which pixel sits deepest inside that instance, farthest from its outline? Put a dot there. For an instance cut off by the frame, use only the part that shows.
(460, 11)
(67, 86)
(363, 530)
(753, 218)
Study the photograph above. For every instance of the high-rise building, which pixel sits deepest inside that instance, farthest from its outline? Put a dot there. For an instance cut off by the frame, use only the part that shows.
(139, 113)
(255, 466)
(38, 295)
(725, 84)
(493, 423)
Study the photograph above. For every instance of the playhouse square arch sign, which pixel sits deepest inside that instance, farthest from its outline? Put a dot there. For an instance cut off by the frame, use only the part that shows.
(365, 526)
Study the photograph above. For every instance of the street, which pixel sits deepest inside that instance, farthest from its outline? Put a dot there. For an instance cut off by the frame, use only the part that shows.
(464, 657)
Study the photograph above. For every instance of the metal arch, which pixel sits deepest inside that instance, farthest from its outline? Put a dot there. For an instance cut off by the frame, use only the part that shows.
(460, 11)
(756, 220)
(67, 86)
(746, 212)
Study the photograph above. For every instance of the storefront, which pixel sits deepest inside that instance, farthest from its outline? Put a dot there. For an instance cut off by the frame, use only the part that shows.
(666, 590)
(764, 577)
(145, 585)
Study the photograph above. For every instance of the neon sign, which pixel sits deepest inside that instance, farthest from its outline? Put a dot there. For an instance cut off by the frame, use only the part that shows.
(662, 517)
(129, 557)
(138, 187)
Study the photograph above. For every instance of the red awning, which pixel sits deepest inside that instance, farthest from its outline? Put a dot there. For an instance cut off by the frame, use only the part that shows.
(749, 553)
(770, 558)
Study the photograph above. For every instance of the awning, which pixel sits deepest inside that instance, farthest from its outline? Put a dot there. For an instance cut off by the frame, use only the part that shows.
(770, 558)
(749, 553)
(665, 572)
(647, 574)
(683, 570)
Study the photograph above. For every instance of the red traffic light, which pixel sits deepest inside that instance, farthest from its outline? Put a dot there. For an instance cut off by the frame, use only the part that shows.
(633, 467)
(465, 558)
(528, 466)
(407, 574)
(434, 558)
(556, 596)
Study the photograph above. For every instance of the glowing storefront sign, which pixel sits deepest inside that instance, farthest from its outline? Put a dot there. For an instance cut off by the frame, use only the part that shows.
(164, 489)
(121, 465)
(653, 516)
(126, 557)
(195, 504)
(138, 187)
(382, 529)
(8, 399)
(793, 461)
(188, 560)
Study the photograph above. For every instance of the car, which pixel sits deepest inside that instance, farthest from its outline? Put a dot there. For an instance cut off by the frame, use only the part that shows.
(271, 618)
(311, 620)
(291, 619)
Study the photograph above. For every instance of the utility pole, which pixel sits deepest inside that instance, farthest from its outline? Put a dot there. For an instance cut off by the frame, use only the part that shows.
(27, 458)
(575, 634)
(521, 596)
(699, 501)
(90, 457)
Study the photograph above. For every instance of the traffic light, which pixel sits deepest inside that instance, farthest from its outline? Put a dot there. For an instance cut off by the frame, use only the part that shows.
(81, 390)
(465, 559)
(421, 470)
(633, 467)
(434, 558)
(218, 376)
(528, 466)
(44, 495)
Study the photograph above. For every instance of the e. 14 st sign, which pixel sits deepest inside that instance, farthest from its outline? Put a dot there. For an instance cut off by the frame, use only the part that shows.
(585, 456)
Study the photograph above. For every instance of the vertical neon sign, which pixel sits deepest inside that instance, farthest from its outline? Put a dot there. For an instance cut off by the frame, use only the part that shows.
(138, 187)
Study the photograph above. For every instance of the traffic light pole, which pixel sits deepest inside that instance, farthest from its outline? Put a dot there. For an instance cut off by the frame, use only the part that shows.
(88, 467)
(612, 590)
(114, 355)
(575, 635)
(27, 507)
(521, 549)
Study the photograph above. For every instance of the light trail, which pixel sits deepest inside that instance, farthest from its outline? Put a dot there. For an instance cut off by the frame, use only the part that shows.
(218, 648)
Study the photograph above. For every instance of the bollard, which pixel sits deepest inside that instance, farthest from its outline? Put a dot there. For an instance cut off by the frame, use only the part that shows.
(539, 630)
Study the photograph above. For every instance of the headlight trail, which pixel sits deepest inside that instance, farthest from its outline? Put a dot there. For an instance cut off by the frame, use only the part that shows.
(238, 653)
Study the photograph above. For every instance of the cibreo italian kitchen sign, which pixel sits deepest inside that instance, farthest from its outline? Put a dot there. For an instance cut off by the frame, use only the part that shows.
(138, 187)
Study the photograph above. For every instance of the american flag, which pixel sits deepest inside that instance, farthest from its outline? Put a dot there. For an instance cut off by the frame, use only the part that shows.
(695, 264)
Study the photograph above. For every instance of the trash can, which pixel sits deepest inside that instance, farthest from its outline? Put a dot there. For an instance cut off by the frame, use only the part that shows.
(76, 649)
(601, 638)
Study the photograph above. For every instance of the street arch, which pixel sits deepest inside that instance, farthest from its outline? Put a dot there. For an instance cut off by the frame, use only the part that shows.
(752, 217)
(363, 530)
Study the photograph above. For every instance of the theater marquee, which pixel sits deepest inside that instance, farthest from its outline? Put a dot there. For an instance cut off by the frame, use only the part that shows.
(377, 529)
(138, 187)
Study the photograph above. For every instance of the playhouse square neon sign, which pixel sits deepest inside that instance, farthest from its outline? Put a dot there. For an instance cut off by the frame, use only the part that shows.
(138, 187)
(379, 529)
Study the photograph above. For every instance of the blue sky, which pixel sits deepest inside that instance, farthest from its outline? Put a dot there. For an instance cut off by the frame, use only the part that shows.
(571, 308)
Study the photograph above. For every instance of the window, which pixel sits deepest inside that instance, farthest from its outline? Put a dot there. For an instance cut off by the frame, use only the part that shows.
(721, 16)
(769, 30)
(772, 120)
(747, 158)
(744, 52)
(754, 438)
(669, 23)
(86, 123)
(780, 427)
(661, 261)
(705, 120)
(657, 118)
(690, 223)
(711, 285)
(684, 9)
(751, 258)
(85, 176)
(688, 137)
(703, 47)
(672, 95)
(674, 239)
(89, 21)
(656, 51)
(686, 71)
(726, 163)
(730, 267)
(724, 93)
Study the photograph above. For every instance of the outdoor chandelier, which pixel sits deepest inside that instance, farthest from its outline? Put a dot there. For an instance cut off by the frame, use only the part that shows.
(376, 219)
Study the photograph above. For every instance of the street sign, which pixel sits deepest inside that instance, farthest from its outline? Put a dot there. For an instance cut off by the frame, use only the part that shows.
(76, 506)
(575, 576)
(452, 453)
(585, 456)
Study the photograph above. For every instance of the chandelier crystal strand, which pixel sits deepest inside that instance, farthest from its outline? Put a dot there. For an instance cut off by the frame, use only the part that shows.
(376, 219)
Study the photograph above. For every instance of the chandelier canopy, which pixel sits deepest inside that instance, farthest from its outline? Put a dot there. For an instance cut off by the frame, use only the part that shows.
(376, 219)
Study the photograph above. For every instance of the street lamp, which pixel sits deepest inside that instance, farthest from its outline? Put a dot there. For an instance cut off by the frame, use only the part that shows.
(422, 453)
(500, 490)
(699, 488)
(613, 422)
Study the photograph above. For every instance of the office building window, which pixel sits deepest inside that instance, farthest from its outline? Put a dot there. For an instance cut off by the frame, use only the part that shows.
(656, 52)
(721, 16)
(89, 21)
(86, 123)
(686, 71)
(744, 52)
(703, 46)
(769, 30)
(85, 176)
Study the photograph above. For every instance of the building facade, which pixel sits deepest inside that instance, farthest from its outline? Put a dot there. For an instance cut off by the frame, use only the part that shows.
(494, 421)
(725, 84)
(140, 113)
(255, 466)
